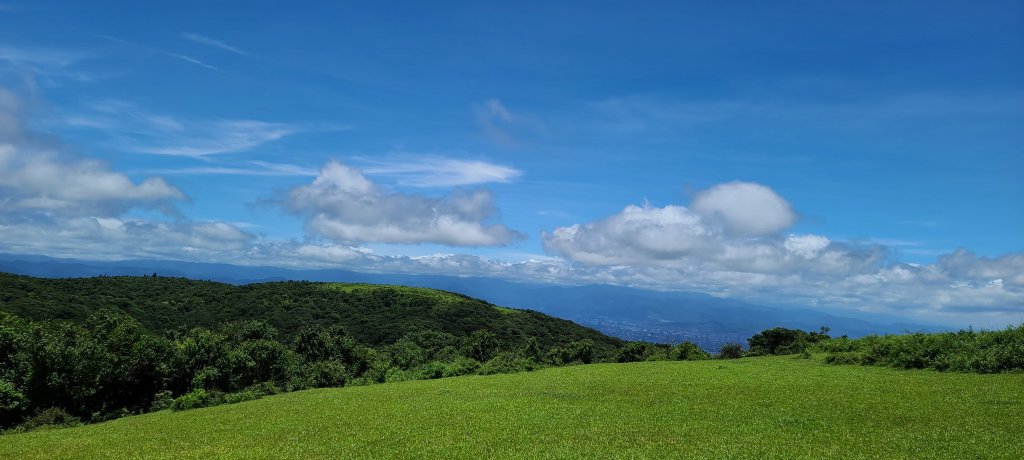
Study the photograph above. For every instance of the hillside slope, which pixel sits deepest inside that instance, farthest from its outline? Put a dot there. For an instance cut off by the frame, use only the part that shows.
(751, 408)
(373, 314)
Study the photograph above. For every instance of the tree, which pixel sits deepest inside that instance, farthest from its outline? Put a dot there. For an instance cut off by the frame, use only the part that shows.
(731, 350)
(632, 352)
(688, 351)
(481, 345)
(532, 351)
(198, 350)
(783, 341)
(132, 375)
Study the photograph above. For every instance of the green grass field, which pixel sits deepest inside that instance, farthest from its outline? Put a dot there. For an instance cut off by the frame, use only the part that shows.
(772, 407)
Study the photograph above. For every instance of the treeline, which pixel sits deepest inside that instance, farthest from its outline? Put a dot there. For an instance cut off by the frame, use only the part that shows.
(59, 373)
(983, 352)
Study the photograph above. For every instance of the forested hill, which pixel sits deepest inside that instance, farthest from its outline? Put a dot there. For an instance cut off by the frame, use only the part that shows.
(373, 314)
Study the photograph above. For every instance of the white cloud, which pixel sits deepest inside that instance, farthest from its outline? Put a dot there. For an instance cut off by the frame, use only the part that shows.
(434, 171)
(54, 203)
(806, 246)
(731, 247)
(343, 205)
(120, 238)
(745, 208)
(221, 136)
(36, 178)
(636, 235)
(202, 39)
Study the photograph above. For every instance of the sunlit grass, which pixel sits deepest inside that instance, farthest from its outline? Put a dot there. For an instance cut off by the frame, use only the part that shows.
(774, 407)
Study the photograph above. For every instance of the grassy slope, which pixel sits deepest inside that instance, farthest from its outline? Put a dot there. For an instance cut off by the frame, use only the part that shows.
(755, 408)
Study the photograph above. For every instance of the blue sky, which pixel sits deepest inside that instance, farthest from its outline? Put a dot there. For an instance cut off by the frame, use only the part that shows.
(864, 156)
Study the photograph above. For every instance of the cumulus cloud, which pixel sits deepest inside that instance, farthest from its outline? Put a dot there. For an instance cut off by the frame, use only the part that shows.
(57, 204)
(343, 205)
(718, 228)
(635, 235)
(36, 178)
(728, 242)
(745, 208)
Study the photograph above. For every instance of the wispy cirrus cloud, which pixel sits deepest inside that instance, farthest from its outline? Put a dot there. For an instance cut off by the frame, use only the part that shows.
(133, 129)
(178, 56)
(217, 137)
(204, 40)
(504, 127)
(45, 57)
(437, 171)
(251, 168)
(53, 65)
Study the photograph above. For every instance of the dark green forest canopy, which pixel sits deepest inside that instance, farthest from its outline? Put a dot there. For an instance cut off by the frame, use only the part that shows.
(373, 314)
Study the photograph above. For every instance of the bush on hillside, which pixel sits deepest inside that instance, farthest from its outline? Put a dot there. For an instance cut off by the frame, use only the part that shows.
(783, 341)
(730, 350)
(688, 351)
(507, 363)
(964, 351)
(49, 418)
(196, 399)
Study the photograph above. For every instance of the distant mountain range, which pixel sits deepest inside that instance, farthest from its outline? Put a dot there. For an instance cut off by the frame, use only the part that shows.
(628, 313)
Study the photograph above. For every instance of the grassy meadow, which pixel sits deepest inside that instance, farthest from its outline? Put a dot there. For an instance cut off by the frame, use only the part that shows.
(764, 407)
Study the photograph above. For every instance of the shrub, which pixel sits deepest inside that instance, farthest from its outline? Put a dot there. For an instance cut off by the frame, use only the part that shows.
(844, 357)
(506, 363)
(730, 350)
(783, 341)
(632, 352)
(52, 417)
(688, 351)
(162, 400)
(323, 374)
(195, 399)
(460, 366)
(578, 352)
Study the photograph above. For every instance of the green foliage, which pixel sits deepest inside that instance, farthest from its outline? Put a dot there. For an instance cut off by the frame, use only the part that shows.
(783, 341)
(325, 374)
(481, 345)
(578, 352)
(374, 315)
(984, 352)
(730, 351)
(639, 351)
(53, 417)
(506, 363)
(688, 351)
(844, 357)
(195, 399)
